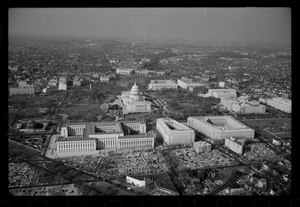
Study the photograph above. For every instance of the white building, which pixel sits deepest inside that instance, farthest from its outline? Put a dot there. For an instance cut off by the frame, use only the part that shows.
(234, 144)
(221, 93)
(104, 79)
(220, 127)
(62, 85)
(222, 84)
(108, 136)
(124, 71)
(136, 181)
(75, 146)
(174, 132)
(243, 106)
(282, 104)
(186, 83)
(23, 89)
(134, 102)
(160, 84)
(201, 146)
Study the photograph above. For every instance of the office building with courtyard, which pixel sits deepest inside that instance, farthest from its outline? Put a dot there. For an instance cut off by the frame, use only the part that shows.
(174, 132)
(219, 127)
(106, 135)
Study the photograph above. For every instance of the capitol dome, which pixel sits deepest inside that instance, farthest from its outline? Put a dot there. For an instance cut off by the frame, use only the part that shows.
(134, 93)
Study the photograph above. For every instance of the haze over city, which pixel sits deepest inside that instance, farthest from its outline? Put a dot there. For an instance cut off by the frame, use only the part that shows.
(232, 25)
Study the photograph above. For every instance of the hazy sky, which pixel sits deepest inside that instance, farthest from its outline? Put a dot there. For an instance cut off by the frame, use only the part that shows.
(213, 24)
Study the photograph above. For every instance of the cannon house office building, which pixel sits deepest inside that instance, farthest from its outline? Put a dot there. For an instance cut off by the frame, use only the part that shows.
(174, 132)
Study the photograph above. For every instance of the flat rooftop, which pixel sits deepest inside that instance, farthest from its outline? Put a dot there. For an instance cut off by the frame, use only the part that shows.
(224, 122)
(174, 125)
(74, 138)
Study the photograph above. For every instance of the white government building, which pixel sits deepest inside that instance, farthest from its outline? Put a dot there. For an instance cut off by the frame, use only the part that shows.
(186, 83)
(243, 106)
(134, 102)
(23, 89)
(174, 132)
(62, 84)
(161, 84)
(222, 93)
(220, 127)
(124, 71)
(88, 137)
(282, 104)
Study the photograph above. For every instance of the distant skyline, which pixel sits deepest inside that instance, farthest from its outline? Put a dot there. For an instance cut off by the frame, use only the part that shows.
(232, 25)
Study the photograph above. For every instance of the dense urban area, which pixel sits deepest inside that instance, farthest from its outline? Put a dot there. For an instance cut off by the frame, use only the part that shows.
(116, 117)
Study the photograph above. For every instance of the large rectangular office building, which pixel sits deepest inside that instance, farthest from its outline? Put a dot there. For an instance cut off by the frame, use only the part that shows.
(106, 135)
(220, 127)
(161, 84)
(174, 132)
(282, 104)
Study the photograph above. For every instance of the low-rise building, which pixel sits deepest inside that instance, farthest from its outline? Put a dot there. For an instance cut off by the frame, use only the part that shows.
(282, 104)
(161, 84)
(104, 79)
(201, 146)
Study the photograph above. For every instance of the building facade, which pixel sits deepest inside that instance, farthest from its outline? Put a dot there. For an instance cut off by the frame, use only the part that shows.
(174, 132)
(76, 146)
(220, 127)
(282, 104)
(161, 84)
(234, 144)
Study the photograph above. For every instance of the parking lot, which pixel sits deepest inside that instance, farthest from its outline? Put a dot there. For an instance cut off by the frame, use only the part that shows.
(186, 158)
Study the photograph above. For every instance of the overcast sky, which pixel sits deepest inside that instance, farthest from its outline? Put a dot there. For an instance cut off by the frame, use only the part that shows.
(249, 25)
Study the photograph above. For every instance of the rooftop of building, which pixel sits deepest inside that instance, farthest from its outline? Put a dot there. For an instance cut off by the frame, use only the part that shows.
(74, 138)
(174, 125)
(136, 136)
(222, 122)
(200, 143)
